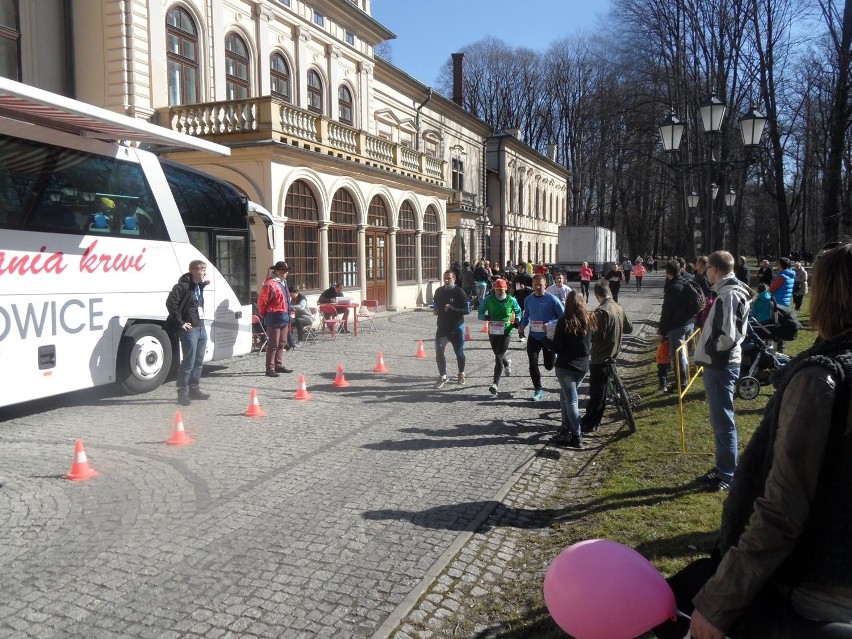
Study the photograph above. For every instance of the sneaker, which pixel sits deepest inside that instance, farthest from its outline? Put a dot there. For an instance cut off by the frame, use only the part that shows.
(271, 374)
(537, 396)
(441, 381)
(710, 476)
(718, 486)
(507, 368)
(461, 378)
(493, 389)
(665, 390)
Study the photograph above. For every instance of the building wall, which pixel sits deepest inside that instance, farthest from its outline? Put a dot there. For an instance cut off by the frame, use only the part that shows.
(119, 52)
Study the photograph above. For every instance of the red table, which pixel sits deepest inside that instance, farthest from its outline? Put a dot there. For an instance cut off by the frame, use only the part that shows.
(353, 308)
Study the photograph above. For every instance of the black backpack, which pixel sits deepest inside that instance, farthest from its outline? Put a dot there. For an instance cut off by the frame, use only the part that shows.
(692, 297)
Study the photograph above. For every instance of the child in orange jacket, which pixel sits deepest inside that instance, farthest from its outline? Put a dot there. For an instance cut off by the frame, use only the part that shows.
(663, 363)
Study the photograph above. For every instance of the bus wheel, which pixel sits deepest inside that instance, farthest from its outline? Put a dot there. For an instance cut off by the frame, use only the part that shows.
(144, 358)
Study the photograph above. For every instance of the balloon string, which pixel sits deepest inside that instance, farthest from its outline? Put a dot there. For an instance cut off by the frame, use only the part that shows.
(686, 616)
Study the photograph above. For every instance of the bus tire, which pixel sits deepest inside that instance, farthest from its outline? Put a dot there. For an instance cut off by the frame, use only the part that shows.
(144, 358)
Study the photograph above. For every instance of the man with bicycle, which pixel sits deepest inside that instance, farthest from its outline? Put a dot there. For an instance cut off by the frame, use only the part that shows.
(612, 323)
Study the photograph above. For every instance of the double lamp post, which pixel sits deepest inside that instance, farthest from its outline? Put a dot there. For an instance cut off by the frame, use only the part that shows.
(712, 112)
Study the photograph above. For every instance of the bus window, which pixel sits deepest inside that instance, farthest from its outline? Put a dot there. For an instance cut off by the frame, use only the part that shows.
(56, 189)
(204, 201)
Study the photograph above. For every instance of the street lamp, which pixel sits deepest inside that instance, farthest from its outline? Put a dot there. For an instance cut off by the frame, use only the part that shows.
(712, 112)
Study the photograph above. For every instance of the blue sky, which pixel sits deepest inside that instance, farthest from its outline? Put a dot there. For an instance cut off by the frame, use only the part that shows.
(428, 31)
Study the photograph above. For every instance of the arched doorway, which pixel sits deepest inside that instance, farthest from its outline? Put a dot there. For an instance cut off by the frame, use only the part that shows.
(376, 241)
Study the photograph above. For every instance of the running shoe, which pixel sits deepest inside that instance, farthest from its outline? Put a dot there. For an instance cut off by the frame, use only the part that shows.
(441, 381)
(493, 389)
(461, 378)
(507, 367)
(537, 396)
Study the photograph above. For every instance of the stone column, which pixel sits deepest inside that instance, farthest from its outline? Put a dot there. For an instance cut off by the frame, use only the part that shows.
(418, 257)
(262, 17)
(362, 259)
(323, 261)
(392, 293)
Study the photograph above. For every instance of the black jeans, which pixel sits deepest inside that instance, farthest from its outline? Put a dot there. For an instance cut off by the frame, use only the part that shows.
(456, 338)
(598, 378)
(770, 615)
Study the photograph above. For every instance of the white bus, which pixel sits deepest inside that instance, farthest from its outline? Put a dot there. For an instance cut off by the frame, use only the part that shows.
(93, 235)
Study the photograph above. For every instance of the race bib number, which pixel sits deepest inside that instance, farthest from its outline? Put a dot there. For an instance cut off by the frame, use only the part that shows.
(496, 328)
(537, 327)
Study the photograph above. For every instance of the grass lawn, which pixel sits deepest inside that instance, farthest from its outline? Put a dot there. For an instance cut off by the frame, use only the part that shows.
(648, 497)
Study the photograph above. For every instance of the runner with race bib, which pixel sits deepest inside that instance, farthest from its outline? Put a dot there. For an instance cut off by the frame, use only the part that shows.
(503, 314)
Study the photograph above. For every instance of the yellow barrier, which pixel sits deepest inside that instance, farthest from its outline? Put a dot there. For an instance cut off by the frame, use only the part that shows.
(681, 390)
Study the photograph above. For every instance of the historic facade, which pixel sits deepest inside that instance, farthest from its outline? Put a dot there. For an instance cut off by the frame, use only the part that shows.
(373, 179)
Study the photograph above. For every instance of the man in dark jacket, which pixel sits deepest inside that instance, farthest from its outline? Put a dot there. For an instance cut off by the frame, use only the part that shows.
(676, 324)
(450, 304)
(185, 305)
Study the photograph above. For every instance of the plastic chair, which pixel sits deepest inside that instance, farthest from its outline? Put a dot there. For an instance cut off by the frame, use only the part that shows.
(367, 311)
(329, 319)
(259, 338)
(311, 329)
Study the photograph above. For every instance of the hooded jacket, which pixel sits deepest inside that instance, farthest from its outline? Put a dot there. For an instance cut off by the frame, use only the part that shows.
(719, 344)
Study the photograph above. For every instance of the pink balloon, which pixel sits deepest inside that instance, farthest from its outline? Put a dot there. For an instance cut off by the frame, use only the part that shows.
(600, 589)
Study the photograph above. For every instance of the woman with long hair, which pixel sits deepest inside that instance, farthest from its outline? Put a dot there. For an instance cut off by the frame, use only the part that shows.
(572, 344)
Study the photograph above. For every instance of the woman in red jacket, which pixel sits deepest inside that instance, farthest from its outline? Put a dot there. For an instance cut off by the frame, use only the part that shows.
(273, 306)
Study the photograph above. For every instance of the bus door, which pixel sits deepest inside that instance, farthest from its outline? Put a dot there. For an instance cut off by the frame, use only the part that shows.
(228, 250)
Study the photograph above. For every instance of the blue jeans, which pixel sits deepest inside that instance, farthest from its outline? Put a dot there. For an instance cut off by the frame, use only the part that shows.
(569, 380)
(719, 386)
(677, 337)
(456, 338)
(193, 343)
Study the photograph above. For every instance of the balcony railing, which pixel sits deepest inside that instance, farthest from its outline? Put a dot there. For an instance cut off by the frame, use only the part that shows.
(270, 118)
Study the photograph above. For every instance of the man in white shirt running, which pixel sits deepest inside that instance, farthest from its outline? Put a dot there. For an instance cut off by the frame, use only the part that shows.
(559, 288)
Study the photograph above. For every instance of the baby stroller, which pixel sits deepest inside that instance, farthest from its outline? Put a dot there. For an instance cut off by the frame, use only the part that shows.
(758, 362)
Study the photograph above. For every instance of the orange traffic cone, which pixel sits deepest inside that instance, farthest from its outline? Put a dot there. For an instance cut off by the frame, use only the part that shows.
(80, 469)
(340, 380)
(420, 354)
(302, 392)
(380, 365)
(484, 328)
(254, 409)
(179, 436)
(467, 336)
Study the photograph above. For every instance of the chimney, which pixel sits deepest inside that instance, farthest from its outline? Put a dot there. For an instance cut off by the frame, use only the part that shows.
(458, 78)
(551, 152)
(514, 133)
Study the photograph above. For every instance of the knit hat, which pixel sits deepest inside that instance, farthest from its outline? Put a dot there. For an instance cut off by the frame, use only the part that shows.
(500, 283)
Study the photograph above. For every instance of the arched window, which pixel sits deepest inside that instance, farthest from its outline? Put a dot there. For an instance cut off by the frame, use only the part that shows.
(314, 92)
(344, 104)
(301, 236)
(429, 245)
(279, 75)
(406, 250)
(521, 196)
(343, 240)
(182, 58)
(237, 85)
(377, 214)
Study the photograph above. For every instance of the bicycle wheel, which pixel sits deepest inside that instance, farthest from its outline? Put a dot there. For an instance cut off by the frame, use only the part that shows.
(624, 402)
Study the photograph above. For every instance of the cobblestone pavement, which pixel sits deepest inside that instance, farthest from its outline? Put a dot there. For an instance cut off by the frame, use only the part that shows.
(327, 518)
(484, 563)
